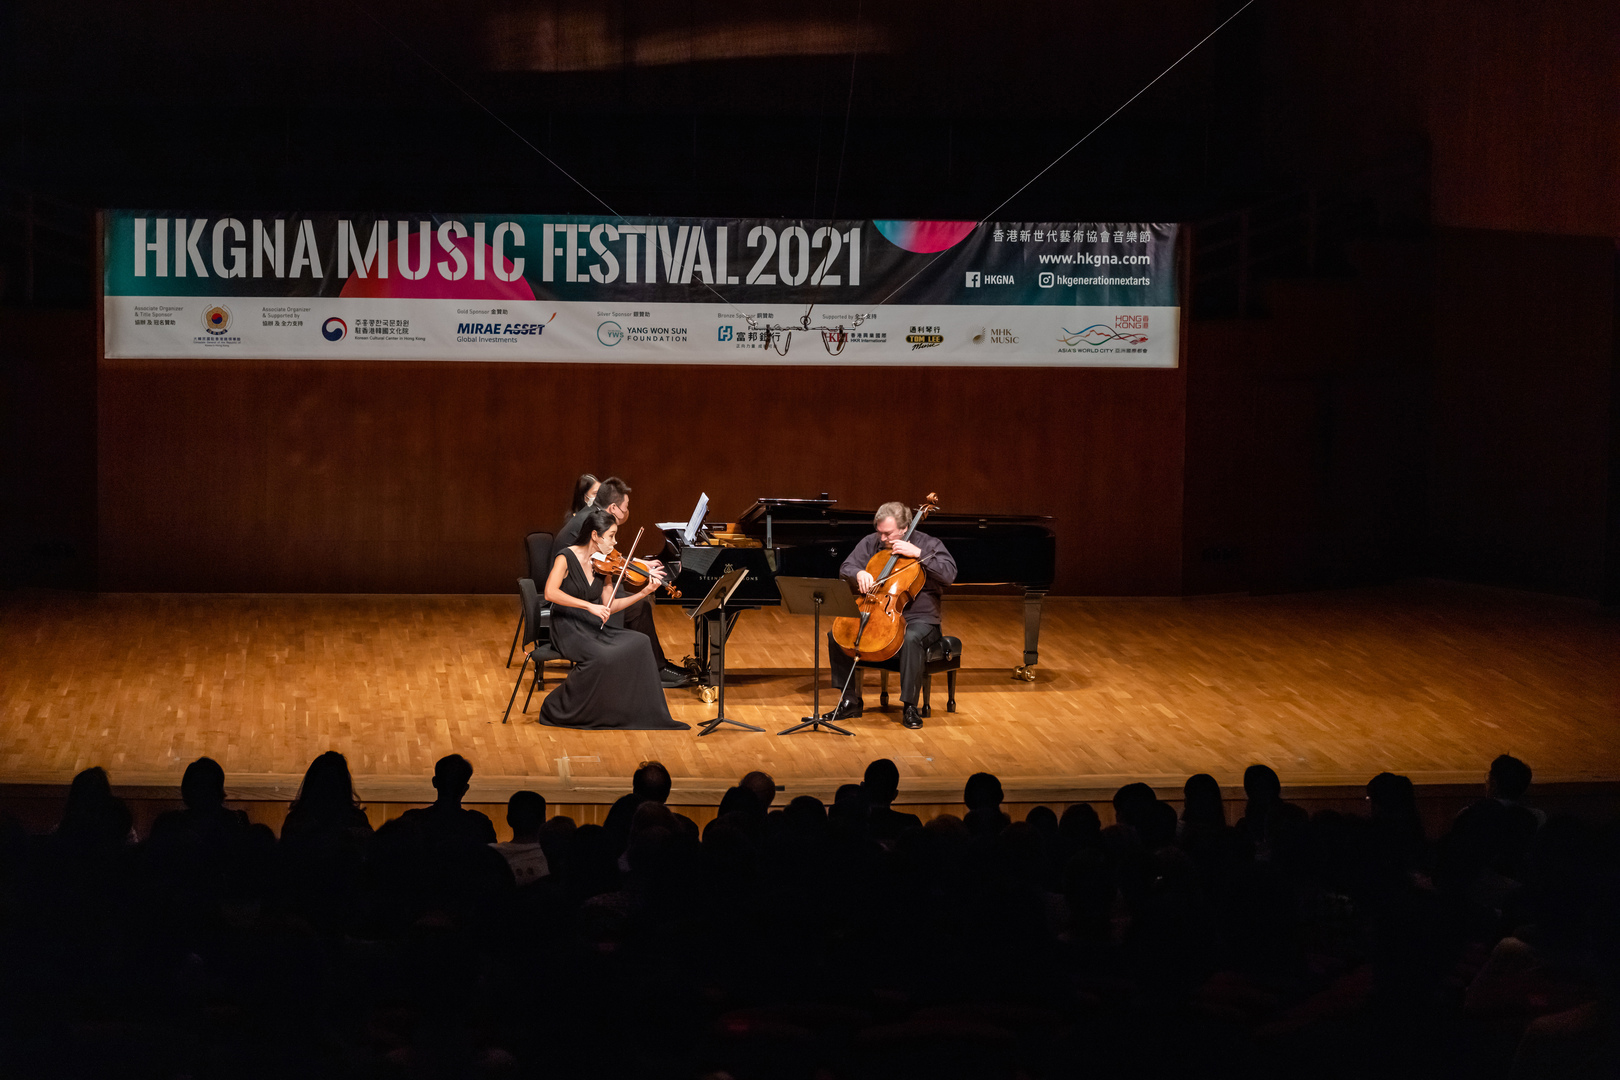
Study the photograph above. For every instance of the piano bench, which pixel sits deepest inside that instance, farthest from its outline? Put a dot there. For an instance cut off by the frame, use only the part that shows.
(944, 655)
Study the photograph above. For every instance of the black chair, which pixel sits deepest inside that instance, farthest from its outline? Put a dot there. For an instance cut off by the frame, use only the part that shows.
(944, 655)
(537, 547)
(536, 640)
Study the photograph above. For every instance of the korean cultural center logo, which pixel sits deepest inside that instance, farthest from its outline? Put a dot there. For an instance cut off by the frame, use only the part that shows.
(216, 319)
(334, 328)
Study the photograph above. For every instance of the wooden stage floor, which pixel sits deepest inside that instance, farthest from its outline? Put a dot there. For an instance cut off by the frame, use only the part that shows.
(1328, 688)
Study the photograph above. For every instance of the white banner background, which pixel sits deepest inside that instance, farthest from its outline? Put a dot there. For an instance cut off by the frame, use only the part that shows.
(652, 333)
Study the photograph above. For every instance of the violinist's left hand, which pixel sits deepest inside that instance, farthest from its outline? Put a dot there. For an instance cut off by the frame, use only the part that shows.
(906, 549)
(655, 565)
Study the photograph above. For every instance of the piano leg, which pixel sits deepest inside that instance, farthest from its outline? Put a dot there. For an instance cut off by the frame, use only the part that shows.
(1025, 672)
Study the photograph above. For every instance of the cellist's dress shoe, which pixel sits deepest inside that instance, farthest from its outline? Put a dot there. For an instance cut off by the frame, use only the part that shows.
(912, 718)
(847, 710)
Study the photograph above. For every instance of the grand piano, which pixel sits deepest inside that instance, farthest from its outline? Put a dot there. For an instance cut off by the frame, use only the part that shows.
(812, 537)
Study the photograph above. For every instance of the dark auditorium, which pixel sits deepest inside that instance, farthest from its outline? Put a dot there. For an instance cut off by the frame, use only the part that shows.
(605, 540)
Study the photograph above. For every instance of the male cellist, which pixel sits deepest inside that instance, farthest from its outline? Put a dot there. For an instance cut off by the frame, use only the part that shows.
(922, 614)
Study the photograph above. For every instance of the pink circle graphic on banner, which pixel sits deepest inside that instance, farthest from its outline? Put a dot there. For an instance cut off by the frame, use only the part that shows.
(434, 285)
(925, 237)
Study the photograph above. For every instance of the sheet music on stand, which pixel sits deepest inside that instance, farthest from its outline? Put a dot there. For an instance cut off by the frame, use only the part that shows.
(720, 594)
(689, 528)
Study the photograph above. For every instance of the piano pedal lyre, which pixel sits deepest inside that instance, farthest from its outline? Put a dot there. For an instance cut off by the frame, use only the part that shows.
(1024, 673)
(709, 694)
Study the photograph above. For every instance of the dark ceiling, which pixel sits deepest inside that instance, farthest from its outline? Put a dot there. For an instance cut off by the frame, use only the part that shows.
(783, 108)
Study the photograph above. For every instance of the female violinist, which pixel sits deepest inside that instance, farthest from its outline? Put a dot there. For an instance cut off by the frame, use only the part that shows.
(921, 614)
(615, 680)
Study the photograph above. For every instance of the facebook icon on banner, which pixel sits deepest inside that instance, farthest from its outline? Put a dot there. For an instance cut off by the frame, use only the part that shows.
(725, 333)
(972, 279)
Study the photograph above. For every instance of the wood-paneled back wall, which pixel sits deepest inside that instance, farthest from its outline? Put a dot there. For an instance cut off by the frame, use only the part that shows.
(424, 477)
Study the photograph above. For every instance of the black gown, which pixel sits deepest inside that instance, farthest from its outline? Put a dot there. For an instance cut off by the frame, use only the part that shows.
(614, 683)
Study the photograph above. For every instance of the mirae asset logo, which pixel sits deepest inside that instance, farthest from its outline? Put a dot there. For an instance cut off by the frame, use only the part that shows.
(478, 329)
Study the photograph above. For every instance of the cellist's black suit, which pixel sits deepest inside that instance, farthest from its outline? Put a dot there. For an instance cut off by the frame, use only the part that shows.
(922, 615)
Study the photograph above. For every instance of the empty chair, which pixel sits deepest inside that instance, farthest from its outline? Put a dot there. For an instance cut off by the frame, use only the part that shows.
(537, 548)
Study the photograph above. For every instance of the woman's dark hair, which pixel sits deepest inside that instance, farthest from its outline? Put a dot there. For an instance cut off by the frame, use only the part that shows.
(597, 521)
(581, 487)
(328, 788)
(203, 785)
(93, 813)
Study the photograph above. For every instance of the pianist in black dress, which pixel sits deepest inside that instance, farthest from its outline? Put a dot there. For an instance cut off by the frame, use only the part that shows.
(614, 683)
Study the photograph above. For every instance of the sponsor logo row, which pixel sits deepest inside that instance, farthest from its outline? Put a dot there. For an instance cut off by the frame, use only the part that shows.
(1128, 332)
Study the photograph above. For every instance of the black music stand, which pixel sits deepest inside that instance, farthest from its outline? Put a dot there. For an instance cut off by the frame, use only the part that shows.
(808, 596)
(716, 601)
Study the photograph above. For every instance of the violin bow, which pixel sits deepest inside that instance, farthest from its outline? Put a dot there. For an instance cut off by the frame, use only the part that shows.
(623, 570)
(920, 560)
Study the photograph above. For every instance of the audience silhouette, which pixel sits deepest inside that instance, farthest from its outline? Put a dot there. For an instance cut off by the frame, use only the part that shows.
(850, 940)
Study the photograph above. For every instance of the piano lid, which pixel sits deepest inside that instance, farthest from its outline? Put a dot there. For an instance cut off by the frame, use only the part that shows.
(785, 510)
(823, 511)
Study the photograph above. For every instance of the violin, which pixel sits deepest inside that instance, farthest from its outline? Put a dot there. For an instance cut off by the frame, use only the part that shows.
(880, 630)
(636, 575)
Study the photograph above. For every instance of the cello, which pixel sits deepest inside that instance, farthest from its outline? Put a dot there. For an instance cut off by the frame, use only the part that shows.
(880, 629)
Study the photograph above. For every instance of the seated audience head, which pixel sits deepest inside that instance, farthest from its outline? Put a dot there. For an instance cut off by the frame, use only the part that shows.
(203, 785)
(1261, 784)
(739, 800)
(525, 813)
(452, 775)
(1080, 825)
(763, 785)
(806, 811)
(882, 782)
(1133, 803)
(1159, 826)
(1509, 778)
(584, 492)
(651, 815)
(1043, 819)
(849, 804)
(986, 823)
(92, 812)
(1392, 796)
(328, 788)
(651, 779)
(554, 837)
(1202, 804)
(982, 792)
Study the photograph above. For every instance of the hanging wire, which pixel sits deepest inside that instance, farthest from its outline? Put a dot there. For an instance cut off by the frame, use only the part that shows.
(784, 331)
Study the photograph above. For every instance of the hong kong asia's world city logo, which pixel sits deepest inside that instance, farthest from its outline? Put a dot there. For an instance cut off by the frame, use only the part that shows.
(1097, 334)
(216, 320)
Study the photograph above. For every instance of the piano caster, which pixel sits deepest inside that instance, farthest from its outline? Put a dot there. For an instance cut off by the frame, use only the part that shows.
(709, 694)
(1024, 673)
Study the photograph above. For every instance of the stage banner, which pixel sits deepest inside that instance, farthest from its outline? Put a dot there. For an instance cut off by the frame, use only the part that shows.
(640, 290)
